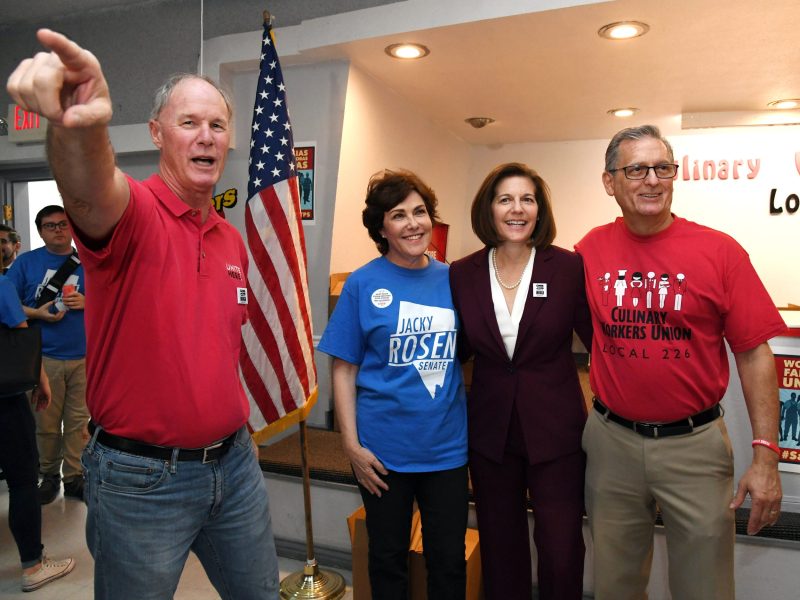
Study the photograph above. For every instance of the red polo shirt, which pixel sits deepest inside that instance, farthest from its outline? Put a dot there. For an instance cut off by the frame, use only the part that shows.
(163, 322)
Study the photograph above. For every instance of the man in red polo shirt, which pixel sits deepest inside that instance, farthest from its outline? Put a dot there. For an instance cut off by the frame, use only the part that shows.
(169, 467)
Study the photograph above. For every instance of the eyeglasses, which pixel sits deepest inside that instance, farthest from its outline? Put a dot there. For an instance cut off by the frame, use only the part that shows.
(53, 226)
(636, 172)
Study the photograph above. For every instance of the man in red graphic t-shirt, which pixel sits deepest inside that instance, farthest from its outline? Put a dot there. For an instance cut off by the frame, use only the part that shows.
(659, 371)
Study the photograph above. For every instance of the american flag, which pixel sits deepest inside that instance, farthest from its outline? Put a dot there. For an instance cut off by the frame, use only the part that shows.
(277, 358)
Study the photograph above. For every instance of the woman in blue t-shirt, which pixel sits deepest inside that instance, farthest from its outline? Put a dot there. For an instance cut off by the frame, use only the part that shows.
(399, 393)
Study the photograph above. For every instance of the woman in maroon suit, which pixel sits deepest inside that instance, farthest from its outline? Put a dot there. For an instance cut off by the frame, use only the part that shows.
(519, 300)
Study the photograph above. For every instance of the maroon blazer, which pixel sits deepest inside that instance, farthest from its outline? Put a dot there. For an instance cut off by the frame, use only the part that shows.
(541, 377)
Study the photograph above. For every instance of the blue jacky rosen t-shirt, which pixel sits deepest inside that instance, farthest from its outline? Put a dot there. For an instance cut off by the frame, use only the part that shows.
(399, 326)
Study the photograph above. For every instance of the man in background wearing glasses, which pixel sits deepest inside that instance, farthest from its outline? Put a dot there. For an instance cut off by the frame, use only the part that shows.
(61, 428)
(659, 370)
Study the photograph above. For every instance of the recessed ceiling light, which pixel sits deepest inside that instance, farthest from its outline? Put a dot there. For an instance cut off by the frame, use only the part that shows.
(623, 30)
(479, 122)
(623, 112)
(786, 104)
(407, 51)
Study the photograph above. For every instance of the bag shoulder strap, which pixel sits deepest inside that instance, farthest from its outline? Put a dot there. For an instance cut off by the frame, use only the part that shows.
(53, 287)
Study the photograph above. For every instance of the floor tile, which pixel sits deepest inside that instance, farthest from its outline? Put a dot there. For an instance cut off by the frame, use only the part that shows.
(63, 524)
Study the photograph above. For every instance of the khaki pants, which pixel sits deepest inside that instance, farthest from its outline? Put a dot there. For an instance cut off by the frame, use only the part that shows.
(61, 427)
(690, 477)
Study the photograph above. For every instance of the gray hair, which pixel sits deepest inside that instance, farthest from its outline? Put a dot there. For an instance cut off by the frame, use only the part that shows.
(634, 133)
(165, 91)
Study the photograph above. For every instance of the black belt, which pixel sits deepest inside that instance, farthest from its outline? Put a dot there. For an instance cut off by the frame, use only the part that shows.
(210, 453)
(657, 430)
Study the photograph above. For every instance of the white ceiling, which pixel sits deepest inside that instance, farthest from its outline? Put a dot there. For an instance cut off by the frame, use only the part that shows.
(12, 11)
(548, 76)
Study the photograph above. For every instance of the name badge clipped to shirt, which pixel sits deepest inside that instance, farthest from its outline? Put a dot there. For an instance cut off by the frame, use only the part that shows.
(540, 290)
(241, 295)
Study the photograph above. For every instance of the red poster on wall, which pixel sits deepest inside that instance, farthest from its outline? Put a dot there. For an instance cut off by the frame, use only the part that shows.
(437, 249)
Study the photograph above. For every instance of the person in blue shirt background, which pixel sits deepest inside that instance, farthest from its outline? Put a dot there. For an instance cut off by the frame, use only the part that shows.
(61, 432)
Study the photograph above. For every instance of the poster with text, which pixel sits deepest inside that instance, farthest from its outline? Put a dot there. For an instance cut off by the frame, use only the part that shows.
(305, 155)
(788, 368)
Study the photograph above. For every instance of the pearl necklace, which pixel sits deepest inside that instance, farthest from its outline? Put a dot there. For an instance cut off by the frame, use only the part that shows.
(497, 272)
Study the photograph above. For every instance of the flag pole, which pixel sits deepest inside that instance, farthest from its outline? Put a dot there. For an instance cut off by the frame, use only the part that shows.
(276, 362)
(312, 582)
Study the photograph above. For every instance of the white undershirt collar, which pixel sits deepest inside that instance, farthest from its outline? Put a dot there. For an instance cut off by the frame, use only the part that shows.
(509, 323)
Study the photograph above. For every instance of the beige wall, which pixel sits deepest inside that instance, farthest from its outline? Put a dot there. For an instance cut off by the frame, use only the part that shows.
(739, 207)
(382, 131)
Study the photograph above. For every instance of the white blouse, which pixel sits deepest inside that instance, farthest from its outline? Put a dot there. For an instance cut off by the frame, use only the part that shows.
(509, 323)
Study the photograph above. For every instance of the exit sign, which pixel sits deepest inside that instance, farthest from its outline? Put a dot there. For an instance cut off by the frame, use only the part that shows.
(25, 127)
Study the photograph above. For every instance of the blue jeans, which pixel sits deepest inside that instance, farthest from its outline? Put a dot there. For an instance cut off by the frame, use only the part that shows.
(144, 515)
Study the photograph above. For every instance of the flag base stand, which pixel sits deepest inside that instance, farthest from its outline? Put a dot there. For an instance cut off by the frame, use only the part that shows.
(312, 583)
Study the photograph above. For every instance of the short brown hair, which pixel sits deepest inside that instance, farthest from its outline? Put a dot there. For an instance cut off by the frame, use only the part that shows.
(46, 212)
(386, 190)
(13, 236)
(483, 220)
